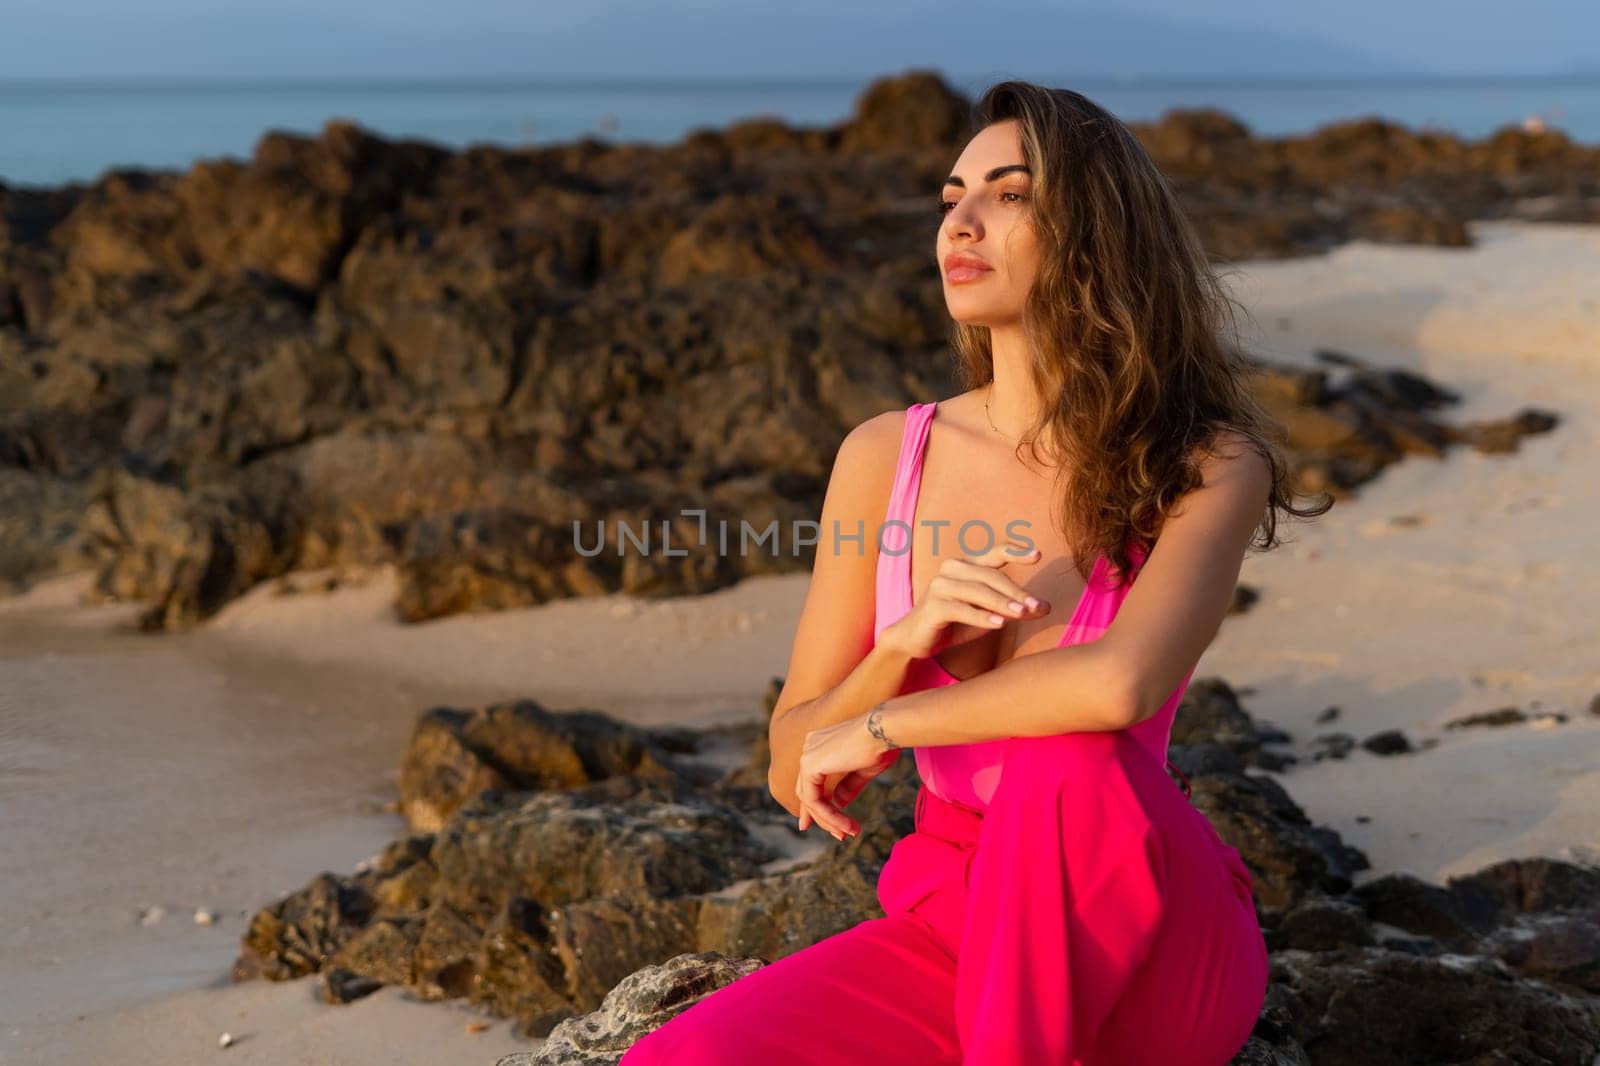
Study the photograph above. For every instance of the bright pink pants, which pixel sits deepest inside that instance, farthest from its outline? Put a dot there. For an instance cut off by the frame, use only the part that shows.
(1091, 917)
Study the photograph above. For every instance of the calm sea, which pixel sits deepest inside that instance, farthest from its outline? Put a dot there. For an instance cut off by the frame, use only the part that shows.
(52, 132)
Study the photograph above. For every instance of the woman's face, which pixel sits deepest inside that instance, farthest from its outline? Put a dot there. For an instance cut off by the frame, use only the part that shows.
(986, 216)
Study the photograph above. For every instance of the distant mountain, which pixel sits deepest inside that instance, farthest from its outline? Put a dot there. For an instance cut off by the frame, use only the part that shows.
(639, 38)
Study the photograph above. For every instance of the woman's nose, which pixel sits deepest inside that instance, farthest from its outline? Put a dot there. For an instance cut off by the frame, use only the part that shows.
(961, 221)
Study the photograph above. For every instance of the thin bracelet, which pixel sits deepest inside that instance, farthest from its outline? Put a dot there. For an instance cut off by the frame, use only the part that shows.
(876, 728)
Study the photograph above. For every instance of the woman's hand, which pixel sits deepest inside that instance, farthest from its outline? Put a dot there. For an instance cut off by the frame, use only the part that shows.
(968, 597)
(847, 748)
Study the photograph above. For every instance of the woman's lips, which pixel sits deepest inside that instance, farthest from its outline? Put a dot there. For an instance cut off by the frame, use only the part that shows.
(964, 272)
(961, 267)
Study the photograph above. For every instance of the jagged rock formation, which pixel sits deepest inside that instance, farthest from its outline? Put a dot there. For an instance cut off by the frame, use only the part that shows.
(349, 351)
(592, 903)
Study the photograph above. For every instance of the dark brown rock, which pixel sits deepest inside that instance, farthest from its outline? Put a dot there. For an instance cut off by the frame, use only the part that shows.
(348, 352)
(347, 986)
(1387, 742)
(912, 110)
(453, 755)
(293, 937)
(1375, 1006)
(1210, 713)
(1322, 923)
(546, 905)
(1498, 717)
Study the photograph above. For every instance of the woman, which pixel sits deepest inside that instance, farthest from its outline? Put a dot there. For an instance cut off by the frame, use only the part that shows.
(1060, 900)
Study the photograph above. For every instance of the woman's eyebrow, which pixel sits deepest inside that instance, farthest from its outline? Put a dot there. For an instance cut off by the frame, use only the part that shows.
(993, 174)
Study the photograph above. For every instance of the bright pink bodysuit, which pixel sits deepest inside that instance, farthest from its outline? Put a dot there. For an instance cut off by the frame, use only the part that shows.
(966, 774)
(1059, 903)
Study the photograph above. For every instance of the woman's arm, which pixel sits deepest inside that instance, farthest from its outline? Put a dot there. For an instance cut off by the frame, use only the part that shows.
(1163, 626)
(876, 677)
(836, 671)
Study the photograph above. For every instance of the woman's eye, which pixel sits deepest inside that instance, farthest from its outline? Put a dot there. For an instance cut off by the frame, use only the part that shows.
(944, 206)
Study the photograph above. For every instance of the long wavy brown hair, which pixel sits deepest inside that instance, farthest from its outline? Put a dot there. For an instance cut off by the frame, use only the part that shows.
(1130, 331)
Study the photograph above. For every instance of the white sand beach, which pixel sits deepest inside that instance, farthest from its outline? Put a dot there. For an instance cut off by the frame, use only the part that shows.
(225, 767)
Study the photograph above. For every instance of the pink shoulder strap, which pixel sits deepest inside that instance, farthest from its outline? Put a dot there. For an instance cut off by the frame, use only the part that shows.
(908, 468)
(894, 556)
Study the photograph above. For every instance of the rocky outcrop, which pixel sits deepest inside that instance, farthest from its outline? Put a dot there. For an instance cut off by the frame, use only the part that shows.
(347, 351)
(453, 755)
(639, 1004)
(602, 879)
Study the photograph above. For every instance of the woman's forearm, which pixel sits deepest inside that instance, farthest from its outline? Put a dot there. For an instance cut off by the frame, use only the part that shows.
(1076, 688)
(877, 677)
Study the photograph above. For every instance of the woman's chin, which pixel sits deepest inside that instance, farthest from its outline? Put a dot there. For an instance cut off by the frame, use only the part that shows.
(974, 316)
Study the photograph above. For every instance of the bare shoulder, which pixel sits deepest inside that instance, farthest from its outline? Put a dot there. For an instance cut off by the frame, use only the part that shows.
(1232, 457)
(864, 465)
(836, 627)
(876, 435)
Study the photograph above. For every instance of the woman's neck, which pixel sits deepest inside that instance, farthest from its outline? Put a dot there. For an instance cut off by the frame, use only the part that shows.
(1012, 401)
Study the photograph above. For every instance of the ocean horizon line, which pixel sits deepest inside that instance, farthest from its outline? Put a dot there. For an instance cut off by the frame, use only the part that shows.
(1314, 81)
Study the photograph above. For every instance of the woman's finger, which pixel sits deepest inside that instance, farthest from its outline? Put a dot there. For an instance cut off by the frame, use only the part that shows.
(992, 592)
(814, 805)
(980, 617)
(830, 820)
(808, 788)
(808, 818)
(845, 792)
(823, 814)
(838, 828)
(986, 566)
(1006, 551)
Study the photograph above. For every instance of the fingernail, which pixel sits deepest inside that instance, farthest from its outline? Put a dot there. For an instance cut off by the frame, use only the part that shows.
(1015, 606)
(996, 620)
(1033, 602)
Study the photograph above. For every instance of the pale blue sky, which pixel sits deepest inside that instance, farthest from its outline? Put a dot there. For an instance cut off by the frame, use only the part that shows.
(819, 38)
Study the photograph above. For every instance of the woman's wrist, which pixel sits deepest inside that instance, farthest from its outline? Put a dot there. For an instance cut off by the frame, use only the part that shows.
(887, 644)
(877, 725)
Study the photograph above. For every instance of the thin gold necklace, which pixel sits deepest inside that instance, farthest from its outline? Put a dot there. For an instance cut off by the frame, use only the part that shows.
(990, 417)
